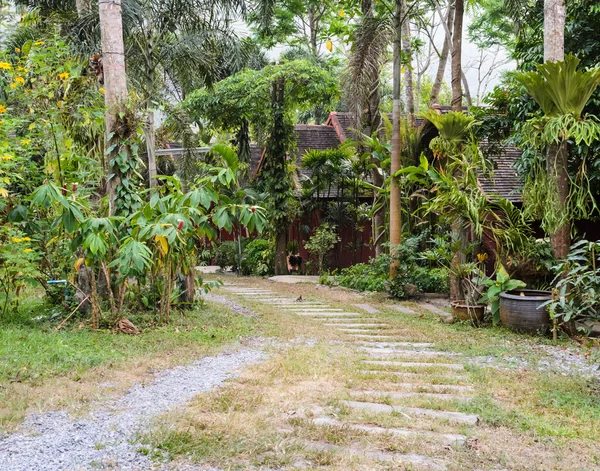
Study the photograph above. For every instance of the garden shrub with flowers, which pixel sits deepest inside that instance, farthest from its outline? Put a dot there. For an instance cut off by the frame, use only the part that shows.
(55, 218)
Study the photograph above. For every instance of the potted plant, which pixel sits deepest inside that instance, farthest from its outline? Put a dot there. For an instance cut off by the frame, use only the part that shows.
(495, 288)
(468, 307)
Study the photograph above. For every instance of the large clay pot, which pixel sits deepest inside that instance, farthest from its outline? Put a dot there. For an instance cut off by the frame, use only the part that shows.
(465, 312)
(522, 310)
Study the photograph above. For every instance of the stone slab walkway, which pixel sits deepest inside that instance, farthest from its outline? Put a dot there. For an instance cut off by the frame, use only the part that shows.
(387, 349)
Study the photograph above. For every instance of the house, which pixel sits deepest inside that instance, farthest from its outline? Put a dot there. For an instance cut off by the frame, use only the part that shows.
(337, 129)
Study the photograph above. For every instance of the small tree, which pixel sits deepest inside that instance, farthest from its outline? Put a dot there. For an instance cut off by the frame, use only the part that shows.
(323, 240)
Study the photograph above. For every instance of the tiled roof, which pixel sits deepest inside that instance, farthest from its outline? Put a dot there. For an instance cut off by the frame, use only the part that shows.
(340, 126)
(505, 180)
(314, 137)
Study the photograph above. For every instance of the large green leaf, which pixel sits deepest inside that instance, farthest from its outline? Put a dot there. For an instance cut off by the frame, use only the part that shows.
(559, 88)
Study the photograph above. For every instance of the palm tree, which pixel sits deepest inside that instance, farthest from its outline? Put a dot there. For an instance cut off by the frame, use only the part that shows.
(115, 80)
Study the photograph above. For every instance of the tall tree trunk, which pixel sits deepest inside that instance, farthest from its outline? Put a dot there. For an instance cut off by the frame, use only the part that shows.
(457, 55)
(149, 125)
(150, 137)
(281, 265)
(277, 166)
(115, 80)
(557, 157)
(379, 215)
(395, 207)
(439, 77)
(408, 73)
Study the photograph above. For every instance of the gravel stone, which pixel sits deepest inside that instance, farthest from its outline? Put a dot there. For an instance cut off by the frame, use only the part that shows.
(232, 305)
(105, 440)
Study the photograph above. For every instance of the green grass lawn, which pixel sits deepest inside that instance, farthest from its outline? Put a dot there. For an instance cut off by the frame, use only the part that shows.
(34, 358)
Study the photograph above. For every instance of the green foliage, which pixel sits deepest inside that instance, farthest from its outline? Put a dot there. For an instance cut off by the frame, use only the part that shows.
(226, 255)
(320, 243)
(258, 258)
(413, 269)
(371, 276)
(559, 88)
(18, 266)
(500, 285)
(454, 132)
(577, 292)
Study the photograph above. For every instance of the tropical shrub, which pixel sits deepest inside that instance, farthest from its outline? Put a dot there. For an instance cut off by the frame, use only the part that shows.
(226, 255)
(258, 258)
(577, 292)
(18, 260)
(321, 242)
(371, 276)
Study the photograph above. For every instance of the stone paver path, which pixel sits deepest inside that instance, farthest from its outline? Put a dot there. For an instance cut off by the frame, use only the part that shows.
(384, 351)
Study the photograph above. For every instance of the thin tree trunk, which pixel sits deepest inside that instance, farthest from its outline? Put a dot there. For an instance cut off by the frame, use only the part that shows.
(115, 80)
(395, 207)
(379, 214)
(439, 77)
(557, 157)
(467, 89)
(408, 73)
(150, 136)
(457, 55)
(94, 301)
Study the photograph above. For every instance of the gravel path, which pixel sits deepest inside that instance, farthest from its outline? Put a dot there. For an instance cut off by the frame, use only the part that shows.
(56, 441)
(232, 305)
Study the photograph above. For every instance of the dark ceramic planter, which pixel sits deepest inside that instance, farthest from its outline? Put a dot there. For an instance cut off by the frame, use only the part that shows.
(522, 310)
(465, 312)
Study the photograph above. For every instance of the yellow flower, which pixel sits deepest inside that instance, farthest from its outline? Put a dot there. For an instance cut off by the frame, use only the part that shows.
(14, 85)
(26, 239)
(6, 157)
(482, 257)
(16, 239)
(101, 90)
(25, 142)
(20, 80)
(60, 103)
(2, 109)
(39, 43)
(17, 49)
(22, 69)
(63, 75)
(5, 66)
(27, 250)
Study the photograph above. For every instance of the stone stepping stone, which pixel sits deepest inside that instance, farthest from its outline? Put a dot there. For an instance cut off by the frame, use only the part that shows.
(459, 417)
(294, 303)
(316, 309)
(359, 323)
(397, 344)
(448, 439)
(426, 377)
(412, 459)
(328, 314)
(410, 364)
(439, 388)
(365, 336)
(376, 327)
(402, 352)
(436, 310)
(368, 308)
(406, 395)
(403, 309)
